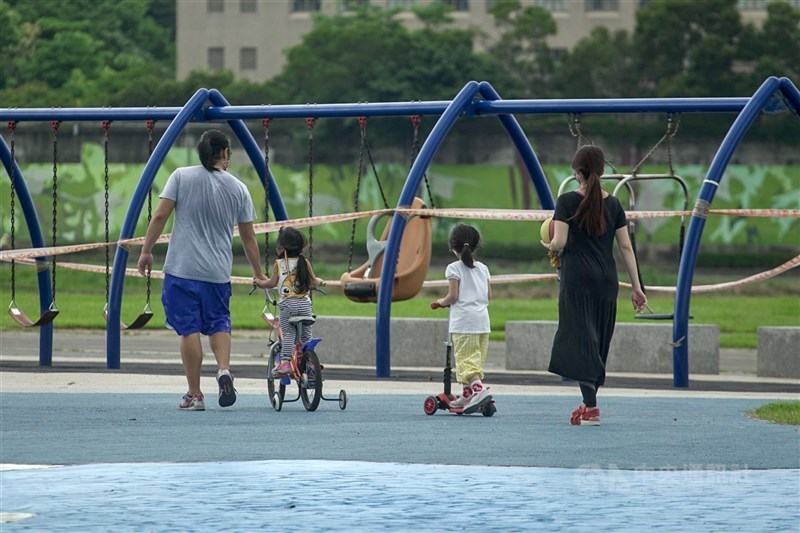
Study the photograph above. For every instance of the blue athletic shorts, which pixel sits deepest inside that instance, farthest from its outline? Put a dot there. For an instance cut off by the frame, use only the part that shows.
(196, 306)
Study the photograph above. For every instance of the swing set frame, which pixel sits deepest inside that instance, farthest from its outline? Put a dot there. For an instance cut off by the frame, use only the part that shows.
(474, 99)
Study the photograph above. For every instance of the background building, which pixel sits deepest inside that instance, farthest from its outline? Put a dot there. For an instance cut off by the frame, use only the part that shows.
(249, 37)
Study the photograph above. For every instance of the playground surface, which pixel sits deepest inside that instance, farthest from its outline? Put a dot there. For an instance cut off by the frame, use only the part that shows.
(118, 454)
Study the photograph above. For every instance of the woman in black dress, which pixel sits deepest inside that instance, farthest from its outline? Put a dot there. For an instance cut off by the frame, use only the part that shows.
(586, 222)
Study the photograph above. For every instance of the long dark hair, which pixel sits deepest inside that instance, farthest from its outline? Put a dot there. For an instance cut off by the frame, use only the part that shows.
(590, 162)
(465, 240)
(210, 148)
(293, 243)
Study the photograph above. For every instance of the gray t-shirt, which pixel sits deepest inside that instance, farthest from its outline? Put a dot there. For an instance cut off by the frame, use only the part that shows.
(208, 205)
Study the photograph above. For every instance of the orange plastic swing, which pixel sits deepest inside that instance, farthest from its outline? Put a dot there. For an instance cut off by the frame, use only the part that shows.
(362, 284)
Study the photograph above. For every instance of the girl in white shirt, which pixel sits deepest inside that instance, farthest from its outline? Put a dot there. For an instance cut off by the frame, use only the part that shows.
(468, 297)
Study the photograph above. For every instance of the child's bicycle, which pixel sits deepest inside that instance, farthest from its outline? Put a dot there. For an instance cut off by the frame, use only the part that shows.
(306, 368)
(443, 399)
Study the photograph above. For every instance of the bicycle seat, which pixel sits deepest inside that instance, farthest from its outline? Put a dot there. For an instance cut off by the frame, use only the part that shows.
(305, 320)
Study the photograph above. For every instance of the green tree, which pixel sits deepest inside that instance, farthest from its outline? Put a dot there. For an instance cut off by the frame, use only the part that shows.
(687, 48)
(600, 66)
(775, 48)
(69, 46)
(524, 59)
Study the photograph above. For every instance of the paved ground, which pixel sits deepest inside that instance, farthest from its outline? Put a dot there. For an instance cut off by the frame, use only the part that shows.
(381, 464)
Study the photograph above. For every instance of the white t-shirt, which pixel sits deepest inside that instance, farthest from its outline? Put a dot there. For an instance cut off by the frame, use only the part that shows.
(470, 313)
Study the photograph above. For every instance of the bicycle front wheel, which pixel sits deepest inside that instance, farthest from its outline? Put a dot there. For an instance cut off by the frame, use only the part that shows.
(311, 380)
(275, 386)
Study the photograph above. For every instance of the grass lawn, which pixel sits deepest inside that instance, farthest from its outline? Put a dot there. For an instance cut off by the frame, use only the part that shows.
(81, 298)
(779, 412)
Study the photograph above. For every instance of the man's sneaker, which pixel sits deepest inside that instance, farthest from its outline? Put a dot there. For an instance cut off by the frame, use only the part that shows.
(192, 403)
(480, 396)
(591, 417)
(227, 394)
(462, 400)
(284, 368)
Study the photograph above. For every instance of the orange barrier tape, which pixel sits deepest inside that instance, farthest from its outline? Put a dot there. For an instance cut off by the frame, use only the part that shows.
(479, 214)
(788, 265)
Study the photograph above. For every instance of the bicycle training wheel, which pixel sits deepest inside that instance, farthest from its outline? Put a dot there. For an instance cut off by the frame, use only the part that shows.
(311, 380)
(275, 388)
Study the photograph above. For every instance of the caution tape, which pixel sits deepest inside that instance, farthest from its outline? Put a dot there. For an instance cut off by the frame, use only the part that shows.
(477, 214)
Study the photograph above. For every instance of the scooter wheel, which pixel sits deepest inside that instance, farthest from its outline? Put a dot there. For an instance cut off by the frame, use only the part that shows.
(489, 409)
(430, 405)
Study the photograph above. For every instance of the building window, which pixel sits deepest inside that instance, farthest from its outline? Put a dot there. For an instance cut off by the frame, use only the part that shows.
(305, 6)
(457, 5)
(602, 5)
(351, 5)
(216, 58)
(247, 6)
(405, 5)
(553, 5)
(216, 6)
(247, 58)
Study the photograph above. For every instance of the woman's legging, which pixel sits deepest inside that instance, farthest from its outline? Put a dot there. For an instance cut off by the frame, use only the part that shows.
(589, 392)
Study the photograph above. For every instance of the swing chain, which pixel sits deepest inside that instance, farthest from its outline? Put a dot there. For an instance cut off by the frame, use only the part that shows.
(375, 173)
(310, 125)
(12, 127)
(362, 123)
(574, 125)
(416, 120)
(150, 124)
(106, 125)
(668, 135)
(672, 131)
(265, 126)
(54, 124)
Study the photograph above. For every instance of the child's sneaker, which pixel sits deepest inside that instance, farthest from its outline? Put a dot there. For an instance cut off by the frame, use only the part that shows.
(591, 417)
(284, 368)
(192, 403)
(462, 400)
(227, 394)
(480, 396)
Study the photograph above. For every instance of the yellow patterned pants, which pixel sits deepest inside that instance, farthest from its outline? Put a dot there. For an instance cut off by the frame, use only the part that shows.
(470, 351)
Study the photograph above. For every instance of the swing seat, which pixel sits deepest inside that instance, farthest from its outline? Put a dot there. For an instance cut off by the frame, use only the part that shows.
(362, 284)
(22, 319)
(650, 315)
(138, 322)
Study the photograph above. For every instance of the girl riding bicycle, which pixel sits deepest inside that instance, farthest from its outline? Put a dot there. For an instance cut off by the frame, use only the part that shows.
(294, 277)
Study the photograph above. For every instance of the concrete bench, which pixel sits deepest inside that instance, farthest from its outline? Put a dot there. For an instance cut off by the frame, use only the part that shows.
(415, 342)
(635, 347)
(778, 352)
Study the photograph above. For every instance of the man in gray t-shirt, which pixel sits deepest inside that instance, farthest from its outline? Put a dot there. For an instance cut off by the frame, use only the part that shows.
(208, 203)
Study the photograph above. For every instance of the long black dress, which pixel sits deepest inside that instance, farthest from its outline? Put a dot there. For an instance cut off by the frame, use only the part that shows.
(587, 297)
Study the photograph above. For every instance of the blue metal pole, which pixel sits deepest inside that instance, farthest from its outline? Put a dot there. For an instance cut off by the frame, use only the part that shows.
(131, 218)
(524, 149)
(426, 153)
(79, 114)
(37, 241)
(386, 109)
(618, 105)
(256, 157)
(680, 326)
(789, 90)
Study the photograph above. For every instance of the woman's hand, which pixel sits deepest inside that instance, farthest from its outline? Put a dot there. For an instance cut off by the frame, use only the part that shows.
(638, 299)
